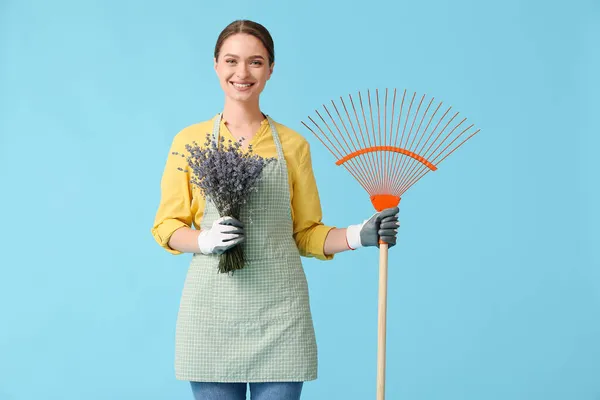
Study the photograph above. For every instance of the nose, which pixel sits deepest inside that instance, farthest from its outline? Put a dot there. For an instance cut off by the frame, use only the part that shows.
(242, 70)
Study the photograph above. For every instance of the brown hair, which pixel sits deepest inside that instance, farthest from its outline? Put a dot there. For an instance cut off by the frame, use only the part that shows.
(250, 28)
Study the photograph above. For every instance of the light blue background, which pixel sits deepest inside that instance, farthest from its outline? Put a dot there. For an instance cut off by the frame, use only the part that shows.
(494, 288)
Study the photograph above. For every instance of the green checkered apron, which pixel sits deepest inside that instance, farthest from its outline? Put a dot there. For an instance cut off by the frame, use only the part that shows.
(254, 325)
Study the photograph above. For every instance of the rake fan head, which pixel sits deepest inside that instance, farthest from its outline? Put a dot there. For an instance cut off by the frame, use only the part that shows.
(388, 157)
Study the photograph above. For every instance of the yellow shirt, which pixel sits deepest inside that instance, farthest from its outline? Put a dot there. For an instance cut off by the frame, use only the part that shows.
(181, 204)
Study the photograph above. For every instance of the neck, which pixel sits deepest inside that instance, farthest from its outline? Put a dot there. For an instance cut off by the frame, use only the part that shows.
(241, 114)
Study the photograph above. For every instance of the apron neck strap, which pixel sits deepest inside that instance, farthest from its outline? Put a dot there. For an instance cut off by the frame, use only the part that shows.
(217, 125)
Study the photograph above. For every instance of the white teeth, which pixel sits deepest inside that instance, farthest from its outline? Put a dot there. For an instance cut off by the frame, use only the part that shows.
(242, 85)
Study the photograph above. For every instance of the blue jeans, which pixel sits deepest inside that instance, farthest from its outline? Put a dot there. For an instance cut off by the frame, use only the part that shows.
(237, 391)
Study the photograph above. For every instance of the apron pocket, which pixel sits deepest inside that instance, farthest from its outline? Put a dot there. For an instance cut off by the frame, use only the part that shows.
(262, 290)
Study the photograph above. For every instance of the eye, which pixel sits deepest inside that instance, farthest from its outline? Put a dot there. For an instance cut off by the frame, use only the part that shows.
(256, 62)
(230, 61)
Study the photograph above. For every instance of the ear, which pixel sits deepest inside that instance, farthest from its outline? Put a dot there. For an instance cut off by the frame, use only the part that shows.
(215, 66)
(271, 70)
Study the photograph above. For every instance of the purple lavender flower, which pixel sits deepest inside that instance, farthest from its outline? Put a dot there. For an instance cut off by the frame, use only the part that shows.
(228, 176)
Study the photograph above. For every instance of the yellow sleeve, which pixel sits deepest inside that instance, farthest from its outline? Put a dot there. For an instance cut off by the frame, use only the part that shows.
(174, 210)
(309, 231)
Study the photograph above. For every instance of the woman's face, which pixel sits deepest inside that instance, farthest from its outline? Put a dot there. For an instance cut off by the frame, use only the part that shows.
(243, 67)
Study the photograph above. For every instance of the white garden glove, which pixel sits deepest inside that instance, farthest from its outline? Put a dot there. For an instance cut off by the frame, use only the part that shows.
(225, 233)
(382, 225)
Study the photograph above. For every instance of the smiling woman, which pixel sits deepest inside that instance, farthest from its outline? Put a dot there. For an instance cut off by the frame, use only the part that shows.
(255, 326)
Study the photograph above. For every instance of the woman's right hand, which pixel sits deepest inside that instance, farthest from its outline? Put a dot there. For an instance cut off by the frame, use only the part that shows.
(225, 233)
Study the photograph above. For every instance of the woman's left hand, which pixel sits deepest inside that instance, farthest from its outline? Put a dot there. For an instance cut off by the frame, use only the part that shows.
(382, 225)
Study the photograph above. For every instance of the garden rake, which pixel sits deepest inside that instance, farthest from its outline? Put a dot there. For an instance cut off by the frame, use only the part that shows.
(387, 163)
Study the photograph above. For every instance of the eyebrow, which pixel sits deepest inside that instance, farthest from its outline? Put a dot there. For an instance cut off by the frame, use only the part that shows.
(233, 55)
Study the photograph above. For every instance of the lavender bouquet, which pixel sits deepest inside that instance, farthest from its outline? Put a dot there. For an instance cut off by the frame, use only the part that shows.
(228, 176)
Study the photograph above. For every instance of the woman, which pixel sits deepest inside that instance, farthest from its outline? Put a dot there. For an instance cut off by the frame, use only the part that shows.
(254, 326)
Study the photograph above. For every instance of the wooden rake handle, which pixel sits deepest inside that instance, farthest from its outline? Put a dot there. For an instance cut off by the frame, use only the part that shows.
(381, 326)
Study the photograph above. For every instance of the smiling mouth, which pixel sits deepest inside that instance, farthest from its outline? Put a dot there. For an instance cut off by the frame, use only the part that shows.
(241, 85)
